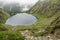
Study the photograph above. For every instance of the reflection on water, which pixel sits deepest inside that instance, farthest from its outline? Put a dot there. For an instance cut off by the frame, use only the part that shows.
(21, 19)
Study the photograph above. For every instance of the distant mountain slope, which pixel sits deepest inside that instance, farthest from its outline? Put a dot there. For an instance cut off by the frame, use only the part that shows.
(47, 13)
(46, 8)
(3, 16)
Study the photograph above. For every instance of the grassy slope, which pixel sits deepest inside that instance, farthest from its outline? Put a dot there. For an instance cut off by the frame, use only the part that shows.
(46, 14)
(6, 31)
(3, 16)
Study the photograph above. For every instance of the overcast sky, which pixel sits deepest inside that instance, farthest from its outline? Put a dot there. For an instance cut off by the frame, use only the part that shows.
(21, 1)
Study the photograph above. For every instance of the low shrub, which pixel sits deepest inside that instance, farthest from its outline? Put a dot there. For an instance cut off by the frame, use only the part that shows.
(10, 35)
(4, 27)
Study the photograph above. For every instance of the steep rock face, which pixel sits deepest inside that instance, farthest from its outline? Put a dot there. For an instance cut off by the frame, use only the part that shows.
(3, 16)
(46, 8)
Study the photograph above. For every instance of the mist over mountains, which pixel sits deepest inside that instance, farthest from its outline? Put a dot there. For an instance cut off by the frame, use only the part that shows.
(19, 5)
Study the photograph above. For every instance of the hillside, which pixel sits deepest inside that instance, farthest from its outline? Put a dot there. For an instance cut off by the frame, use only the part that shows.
(46, 8)
(46, 12)
(3, 16)
(48, 15)
(6, 31)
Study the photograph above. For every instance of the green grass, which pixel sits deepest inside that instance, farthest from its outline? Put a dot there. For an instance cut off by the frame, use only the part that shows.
(11, 35)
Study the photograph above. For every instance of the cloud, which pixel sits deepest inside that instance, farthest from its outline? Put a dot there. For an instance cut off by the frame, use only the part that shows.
(24, 3)
(21, 1)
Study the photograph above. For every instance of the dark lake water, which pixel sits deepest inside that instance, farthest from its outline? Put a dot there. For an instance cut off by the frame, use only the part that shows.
(21, 19)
